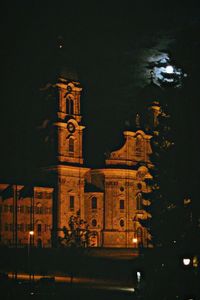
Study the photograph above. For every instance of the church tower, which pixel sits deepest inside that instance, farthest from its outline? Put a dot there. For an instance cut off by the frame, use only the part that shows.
(66, 171)
(68, 130)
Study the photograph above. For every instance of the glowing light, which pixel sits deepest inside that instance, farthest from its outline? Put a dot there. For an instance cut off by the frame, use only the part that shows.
(138, 276)
(169, 69)
(195, 261)
(135, 240)
(31, 232)
(186, 261)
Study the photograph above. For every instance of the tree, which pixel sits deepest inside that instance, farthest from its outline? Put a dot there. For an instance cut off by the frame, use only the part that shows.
(77, 234)
(166, 222)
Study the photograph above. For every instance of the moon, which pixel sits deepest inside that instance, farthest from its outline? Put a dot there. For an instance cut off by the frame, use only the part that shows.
(169, 69)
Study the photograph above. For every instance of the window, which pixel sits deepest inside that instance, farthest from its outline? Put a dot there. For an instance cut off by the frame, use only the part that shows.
(121, 223)
(71, 145)
(139, 232)
(71, 202)
(121, 204)
(38, 209)
(39, 229)
(11, 208)
(46, 210)
(47, 195)
(20, 209)
(6, 227)
(69, 106)
(139, 201)
(39, 195)
(94, 223)
(94, 203)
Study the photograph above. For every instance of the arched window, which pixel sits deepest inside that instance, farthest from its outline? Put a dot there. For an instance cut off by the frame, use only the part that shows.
(121, 204)
(140, 236)
(39, 229)
(38, 208)
(71, 202)
(139, 232)
(69, 106)
(94, 203)
(139, 201)
(71, 145)
(94, 222)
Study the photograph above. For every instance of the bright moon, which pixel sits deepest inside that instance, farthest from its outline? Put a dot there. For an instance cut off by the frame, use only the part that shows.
(169, 69)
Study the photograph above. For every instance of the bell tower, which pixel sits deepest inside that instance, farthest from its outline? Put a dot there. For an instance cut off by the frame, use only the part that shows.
(67, 127)
(66, 171)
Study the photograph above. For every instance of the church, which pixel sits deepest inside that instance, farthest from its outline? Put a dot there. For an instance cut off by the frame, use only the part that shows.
(108, 199)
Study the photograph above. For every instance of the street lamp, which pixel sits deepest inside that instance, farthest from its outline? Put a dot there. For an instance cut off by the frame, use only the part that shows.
(30, 237)
(135, 240)
(186, 261)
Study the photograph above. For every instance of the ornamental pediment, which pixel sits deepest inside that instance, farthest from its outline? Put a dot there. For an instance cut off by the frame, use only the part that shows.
(135, 149)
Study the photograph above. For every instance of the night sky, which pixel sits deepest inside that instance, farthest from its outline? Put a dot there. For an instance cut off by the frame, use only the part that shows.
(109, 45)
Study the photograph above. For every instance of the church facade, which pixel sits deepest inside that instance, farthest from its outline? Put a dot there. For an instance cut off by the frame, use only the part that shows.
(108, 199)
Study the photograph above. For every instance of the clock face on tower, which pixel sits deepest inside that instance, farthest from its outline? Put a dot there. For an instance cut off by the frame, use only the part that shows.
(71, 127)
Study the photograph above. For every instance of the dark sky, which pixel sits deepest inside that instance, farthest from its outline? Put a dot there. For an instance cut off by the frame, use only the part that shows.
(108, 44)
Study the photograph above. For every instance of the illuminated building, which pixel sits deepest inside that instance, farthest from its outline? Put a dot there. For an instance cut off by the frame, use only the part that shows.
(109, 199)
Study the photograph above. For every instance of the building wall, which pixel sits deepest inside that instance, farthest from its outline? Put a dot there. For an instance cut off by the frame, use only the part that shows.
(94, 213)
(121, 214)
(69, 188)
(117, 214)
(33, 213)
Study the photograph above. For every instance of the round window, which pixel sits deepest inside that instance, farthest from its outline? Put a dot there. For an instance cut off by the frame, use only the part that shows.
(94, 223)
(121, 188)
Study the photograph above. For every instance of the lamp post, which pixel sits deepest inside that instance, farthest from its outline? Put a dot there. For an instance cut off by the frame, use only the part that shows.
(135, 241)
(30, 237)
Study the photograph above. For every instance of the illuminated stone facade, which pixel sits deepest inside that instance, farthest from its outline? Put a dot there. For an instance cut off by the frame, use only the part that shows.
(21, 215)
(109, 199)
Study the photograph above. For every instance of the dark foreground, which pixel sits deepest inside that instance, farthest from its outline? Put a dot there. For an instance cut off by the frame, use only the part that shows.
(26, 290)
(154, 275)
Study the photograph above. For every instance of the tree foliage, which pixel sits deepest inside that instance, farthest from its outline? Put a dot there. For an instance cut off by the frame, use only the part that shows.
(77, 233)
(165, 224)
